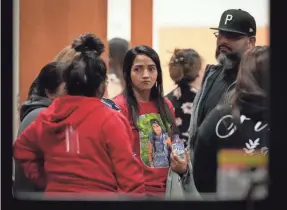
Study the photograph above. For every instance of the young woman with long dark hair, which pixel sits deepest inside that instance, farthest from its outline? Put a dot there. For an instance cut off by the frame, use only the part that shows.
(240, 123)
(47, 86)
(143, 104)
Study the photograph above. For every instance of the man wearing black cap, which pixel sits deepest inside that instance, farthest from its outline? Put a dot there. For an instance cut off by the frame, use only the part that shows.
(235, 34)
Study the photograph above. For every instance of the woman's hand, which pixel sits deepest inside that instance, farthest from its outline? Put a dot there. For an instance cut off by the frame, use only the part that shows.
(177, 164)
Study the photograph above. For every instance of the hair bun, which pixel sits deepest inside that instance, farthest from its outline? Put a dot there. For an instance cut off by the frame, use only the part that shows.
(179, 60)
(89, 42)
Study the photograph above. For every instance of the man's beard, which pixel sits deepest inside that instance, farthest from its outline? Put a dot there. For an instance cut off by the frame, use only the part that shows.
(228, 60)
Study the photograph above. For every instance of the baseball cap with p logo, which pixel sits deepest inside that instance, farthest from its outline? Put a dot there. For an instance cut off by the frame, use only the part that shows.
(237, 21)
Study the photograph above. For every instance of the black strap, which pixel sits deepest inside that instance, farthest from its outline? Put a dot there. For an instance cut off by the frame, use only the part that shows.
(111, 104)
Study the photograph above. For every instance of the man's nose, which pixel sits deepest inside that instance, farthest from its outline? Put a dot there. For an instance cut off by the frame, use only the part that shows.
(223, 40)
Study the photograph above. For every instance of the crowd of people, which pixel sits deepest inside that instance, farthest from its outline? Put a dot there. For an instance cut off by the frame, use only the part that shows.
(89, 128)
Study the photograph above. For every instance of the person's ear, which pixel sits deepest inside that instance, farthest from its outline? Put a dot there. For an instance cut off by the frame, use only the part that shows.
(252, 41)
(49, 95)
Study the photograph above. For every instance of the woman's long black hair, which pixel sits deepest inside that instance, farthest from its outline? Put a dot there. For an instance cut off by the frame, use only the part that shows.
(49, 79)
(156, 94)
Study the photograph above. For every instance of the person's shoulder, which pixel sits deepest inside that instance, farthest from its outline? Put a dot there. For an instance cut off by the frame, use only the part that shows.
(223, 109)
(115, 118)
(210, 69)
(171, 93)
(34, 114)
(216, 115)
(111, 104)
(220, 111)
(120, 100)
(170, 105)
(213, 66)
(30, 118)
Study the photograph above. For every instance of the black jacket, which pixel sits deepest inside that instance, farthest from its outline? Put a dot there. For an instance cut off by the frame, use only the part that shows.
(217, 132)
(216, 83)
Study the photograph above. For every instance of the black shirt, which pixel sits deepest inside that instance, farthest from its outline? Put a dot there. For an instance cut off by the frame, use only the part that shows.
(182, 101)
(217, 132)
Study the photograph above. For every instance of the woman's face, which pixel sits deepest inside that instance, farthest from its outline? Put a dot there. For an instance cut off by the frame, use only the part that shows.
(143, 73)
(156, 128)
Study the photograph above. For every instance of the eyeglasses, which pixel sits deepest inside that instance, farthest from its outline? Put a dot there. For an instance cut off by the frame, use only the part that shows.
(228, 35)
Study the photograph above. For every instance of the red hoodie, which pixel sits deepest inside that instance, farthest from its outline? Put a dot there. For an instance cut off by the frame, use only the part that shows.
(86, 147)
(155, 178)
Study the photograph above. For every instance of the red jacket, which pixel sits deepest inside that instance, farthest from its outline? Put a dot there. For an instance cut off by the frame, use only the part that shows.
(86, 147)
(155, 178)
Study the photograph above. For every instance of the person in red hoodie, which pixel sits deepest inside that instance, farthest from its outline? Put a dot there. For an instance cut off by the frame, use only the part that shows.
(85, 144)
(151, 117)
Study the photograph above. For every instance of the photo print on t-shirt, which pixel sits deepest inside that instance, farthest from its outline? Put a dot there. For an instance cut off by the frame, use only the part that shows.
(155, 143)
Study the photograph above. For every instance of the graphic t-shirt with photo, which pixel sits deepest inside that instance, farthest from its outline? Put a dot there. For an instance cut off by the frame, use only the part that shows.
(155, 143)
(150, 143)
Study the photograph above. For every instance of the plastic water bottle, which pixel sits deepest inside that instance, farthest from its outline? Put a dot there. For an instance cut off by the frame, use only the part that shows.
(178, 146)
